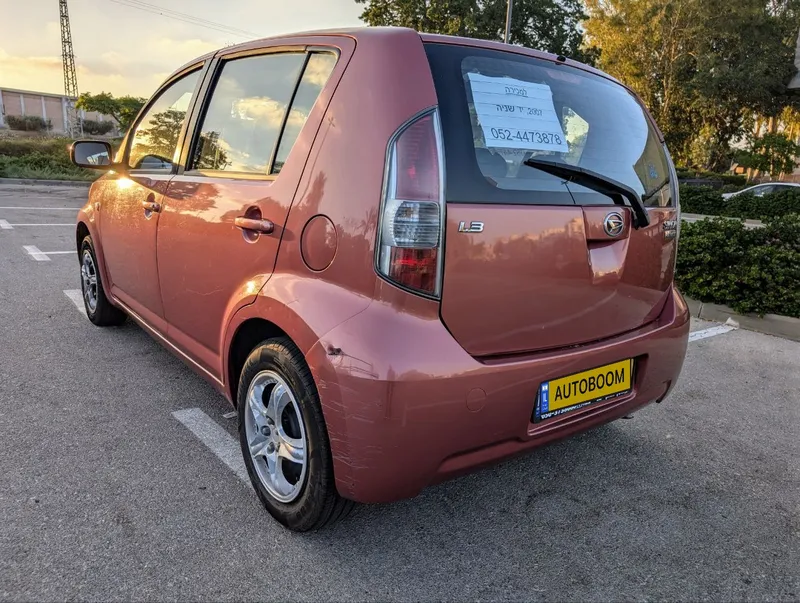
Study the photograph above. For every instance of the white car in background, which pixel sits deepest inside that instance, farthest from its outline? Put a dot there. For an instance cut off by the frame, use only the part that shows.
(759, 190)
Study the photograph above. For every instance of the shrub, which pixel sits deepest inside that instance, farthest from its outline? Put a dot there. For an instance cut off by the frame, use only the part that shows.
(712, 177)
(41, 166)
(91, 126)
(731, 188)
(29, 123)
(700, 200)
(40, 158)
(18, 147)
(752, 270)
(705, 200)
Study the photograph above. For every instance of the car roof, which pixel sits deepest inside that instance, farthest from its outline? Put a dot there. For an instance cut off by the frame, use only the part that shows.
(373, 33)
(364, 32)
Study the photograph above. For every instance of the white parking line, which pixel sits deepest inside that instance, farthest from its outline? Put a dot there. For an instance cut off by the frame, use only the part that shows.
(4, 225)
(77, 298)
(42, 256)
(227, 449)
(216, 438)
(694, 336)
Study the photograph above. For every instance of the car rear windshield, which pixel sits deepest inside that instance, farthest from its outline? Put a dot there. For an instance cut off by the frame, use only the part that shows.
(500, 109)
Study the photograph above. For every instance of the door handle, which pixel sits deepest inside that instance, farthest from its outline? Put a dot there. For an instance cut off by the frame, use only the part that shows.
(151, 206)
(254, 225)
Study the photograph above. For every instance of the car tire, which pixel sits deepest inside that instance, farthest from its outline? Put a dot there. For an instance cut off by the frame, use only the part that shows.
(280, 415)
(99, 309)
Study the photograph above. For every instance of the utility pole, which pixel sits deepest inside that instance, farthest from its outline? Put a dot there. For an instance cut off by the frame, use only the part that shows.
(508, 20)
(73, 127)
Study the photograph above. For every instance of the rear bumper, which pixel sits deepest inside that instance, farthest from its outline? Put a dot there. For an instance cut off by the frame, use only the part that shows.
(407, 407)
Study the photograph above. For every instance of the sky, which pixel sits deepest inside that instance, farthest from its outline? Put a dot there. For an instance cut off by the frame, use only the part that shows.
(124, 50)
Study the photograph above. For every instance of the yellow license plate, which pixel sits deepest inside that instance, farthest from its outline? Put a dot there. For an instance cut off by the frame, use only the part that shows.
(581, 389)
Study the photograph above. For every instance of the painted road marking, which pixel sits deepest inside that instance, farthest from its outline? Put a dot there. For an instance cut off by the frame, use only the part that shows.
(227, 449)
(77, 298)
(42, 256)
(4, 225)
(711, 332)
(214, 437)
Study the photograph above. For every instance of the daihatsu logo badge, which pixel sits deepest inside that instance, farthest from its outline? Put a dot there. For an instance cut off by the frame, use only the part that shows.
(614, 224)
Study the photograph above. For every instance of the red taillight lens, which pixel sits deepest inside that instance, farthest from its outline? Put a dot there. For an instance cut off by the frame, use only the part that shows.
(418, 162)
(414, 268)
(410, 237)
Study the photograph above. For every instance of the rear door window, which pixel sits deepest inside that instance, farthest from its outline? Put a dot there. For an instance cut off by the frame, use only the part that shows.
(499, 109)
(315, 76)
(246, 112)
(257, 110)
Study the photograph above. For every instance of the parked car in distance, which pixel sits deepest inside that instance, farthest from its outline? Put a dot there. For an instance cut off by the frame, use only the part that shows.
(759, 190)
(401, 256)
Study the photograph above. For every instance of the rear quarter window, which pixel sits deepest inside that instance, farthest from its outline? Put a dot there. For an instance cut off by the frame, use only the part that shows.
(499, 109)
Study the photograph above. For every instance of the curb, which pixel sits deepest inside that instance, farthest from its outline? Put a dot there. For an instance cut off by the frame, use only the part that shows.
(23, 181)
(771, 324)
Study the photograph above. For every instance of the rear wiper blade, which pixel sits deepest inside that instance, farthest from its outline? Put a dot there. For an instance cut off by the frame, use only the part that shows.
(656, 189)
(596, 182)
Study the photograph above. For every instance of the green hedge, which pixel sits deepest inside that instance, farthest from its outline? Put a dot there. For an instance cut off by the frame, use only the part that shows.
(751, 270)
(726, 179)
(91, 127)
(43, 166)
(704, 200)
(28, 123)
(41, 158)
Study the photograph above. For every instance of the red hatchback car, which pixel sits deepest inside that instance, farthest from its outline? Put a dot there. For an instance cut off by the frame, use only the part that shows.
(401, 256)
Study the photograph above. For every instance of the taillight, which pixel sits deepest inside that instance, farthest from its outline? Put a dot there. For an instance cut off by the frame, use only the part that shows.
(412, 211)
(676, 194)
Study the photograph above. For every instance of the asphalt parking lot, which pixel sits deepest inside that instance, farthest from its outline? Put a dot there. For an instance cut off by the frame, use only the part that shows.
(105, 494)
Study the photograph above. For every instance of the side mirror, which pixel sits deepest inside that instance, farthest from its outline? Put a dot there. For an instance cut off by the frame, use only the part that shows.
(92, 154)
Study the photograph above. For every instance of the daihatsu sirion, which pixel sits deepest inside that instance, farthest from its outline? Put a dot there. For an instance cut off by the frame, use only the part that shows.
(401, 256)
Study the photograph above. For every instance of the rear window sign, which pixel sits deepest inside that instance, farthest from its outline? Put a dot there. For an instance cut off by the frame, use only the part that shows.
(515, 114)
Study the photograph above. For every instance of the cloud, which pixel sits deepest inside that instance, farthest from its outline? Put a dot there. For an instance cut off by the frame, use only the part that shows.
(138, 73)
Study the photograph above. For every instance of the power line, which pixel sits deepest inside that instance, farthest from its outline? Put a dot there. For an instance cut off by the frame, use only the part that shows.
(186, 18)
(198, 20)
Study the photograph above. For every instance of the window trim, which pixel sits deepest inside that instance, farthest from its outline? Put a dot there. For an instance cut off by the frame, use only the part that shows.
(202, 68)
(310, 51)
(207, 92)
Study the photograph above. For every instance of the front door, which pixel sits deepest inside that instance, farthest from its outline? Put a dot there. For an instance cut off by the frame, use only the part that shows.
(223, 218)
(133, 200)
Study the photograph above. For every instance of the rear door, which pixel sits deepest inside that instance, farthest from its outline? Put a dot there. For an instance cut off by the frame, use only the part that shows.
(223, 217)
(533, 262)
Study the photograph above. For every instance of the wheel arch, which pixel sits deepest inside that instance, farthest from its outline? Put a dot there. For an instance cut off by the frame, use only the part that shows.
(247, 336)
(85, 225)
(81, 232)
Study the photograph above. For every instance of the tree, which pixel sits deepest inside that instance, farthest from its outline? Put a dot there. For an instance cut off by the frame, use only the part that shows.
(123, 109)
(162, 133)
(703, 67)
(550, 25)
(773, 153)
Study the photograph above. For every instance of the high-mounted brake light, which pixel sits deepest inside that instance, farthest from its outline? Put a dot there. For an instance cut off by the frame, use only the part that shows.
(412, 213)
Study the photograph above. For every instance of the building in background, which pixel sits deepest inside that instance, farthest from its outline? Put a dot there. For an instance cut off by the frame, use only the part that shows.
(41, 104)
